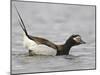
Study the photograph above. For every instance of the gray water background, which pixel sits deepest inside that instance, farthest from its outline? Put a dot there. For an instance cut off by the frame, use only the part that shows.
(55, 22)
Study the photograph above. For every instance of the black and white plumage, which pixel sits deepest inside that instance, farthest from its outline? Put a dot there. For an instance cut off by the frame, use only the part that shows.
(41, 46)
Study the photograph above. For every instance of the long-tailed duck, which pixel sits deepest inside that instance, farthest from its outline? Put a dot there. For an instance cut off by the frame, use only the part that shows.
(41, 46)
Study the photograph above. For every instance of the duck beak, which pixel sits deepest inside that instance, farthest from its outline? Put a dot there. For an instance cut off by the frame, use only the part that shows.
(82, 42)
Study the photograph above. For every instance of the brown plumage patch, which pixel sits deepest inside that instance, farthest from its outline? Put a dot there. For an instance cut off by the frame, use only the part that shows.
(40, 40)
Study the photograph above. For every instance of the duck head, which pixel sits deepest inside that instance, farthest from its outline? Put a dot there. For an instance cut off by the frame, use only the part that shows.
(73, 40)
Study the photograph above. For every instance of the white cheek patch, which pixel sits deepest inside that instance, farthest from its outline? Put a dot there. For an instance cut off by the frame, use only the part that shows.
(77, 39)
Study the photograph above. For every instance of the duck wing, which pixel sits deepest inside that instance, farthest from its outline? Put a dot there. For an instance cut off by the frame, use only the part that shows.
(46, 42)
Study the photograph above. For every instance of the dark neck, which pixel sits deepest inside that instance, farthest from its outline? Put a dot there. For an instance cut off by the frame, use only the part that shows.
(67, 48)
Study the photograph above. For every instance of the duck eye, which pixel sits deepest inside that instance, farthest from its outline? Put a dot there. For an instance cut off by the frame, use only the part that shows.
(77, 39)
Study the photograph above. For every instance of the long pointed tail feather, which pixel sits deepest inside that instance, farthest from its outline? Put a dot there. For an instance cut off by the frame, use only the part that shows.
(21, 22)
(23, 28)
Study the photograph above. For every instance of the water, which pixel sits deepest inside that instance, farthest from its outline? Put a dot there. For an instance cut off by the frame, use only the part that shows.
(56, 23)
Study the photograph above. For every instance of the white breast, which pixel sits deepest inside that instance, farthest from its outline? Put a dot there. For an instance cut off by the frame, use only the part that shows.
(38, 49)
